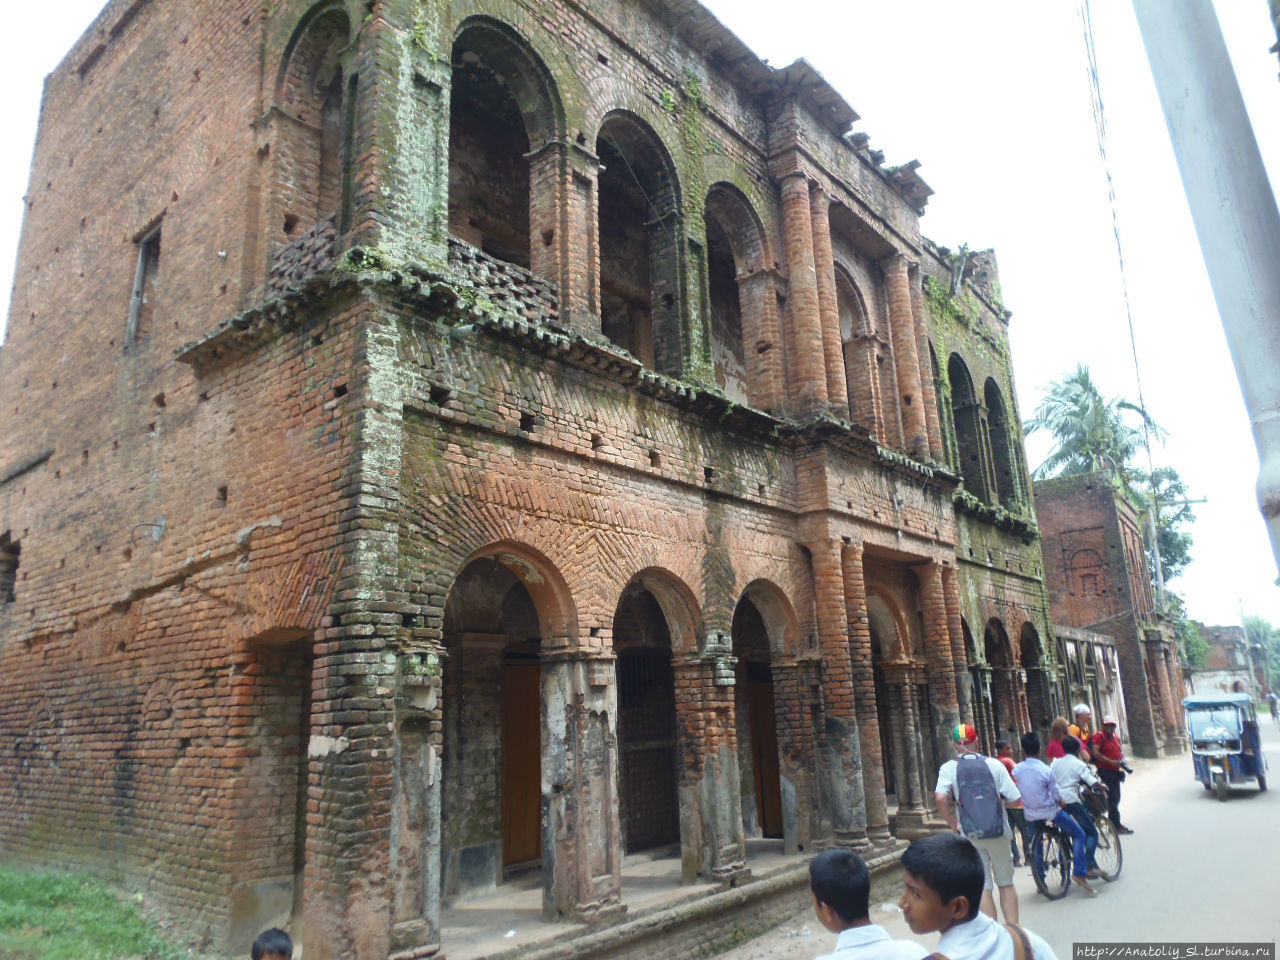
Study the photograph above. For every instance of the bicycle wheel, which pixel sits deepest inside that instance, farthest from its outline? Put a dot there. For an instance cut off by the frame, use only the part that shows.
(1051, 864)
(1109, 856)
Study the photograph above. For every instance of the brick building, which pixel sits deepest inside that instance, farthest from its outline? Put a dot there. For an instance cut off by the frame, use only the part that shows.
(1231, 664)
(1098, 581)
(484, 438)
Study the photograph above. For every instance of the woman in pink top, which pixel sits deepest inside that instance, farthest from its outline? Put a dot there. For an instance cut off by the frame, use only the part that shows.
(1056, 733)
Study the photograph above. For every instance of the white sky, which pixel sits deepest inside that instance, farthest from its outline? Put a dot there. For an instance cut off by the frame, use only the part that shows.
(993, 98)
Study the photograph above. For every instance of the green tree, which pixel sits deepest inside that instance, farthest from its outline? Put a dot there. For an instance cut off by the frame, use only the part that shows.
(1192, 646)
(1166, 487)
(1091, 433)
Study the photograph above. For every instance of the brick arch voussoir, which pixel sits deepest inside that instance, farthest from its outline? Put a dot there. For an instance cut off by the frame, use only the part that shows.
(552, 598)
(538, 69)
(779, 616)
(302, 32)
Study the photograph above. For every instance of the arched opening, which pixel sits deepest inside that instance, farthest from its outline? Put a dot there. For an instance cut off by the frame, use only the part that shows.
(648, 774)
(999, 654)
(735, 250)
(493, 721)
(967, 416)
(312, 141)
(886, 646)
(1037, 680)
(502, 107)
(755, 709)
(1001, 447)
(862, 361)
(639, 244)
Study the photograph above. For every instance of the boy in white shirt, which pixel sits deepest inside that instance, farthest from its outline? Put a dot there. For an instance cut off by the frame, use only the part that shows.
(841, 886)
(944, 874)
(1070, 772)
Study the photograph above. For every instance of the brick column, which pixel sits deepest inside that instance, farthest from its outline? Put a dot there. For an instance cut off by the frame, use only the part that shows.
(795, 759)
(712, 844)
(828, 307)
(930, 395)
(959, 656)
(844, 762)
(939, 657)
(902, 333)
(563, 230)
(809, 378)
(911, 793)
(864, 692)
(582, 835)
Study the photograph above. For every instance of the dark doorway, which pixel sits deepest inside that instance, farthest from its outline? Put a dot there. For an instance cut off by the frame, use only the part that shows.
(646, 723)
(757, 725)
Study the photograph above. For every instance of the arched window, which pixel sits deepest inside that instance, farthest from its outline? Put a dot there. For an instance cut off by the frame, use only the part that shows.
(1003, 461)
(312, 143)
(968, 428)
(502, 107)
(740, 304)
(640, 236)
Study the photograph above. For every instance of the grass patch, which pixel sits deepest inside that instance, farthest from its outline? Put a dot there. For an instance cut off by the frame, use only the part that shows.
(51, 916)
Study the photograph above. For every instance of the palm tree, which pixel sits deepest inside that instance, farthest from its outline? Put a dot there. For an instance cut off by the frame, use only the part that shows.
(1091, 433)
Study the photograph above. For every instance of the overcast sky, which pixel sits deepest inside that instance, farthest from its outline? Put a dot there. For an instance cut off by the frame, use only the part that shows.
(992, 97)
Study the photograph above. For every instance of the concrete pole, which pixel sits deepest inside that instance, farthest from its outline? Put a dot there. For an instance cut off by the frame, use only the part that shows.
(1233, 208)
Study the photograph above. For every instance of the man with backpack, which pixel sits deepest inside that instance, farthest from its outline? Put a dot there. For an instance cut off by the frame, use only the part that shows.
(972, 794)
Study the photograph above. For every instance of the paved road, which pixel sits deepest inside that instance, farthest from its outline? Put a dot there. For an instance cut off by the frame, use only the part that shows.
(1195, 870)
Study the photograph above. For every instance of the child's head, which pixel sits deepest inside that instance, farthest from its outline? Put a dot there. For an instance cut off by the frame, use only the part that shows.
(273, 944)
(1071, 745)
(1031, 744)
(1003, 749)
(944, 875)
(841, 887)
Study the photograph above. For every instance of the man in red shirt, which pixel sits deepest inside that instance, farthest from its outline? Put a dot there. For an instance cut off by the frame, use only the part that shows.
(1108, 754)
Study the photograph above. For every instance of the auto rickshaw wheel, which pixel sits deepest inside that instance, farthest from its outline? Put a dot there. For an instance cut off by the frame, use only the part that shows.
(1206, 785)
(1262, 784)
(1222, 788)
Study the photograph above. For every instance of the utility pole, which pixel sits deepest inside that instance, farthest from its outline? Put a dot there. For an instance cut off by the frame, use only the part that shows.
(1233, 208)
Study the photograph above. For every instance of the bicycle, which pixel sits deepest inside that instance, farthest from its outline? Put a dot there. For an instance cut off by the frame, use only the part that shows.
(1052, 854)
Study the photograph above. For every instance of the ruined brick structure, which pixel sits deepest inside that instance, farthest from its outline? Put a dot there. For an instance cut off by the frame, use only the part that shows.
(1098, 580)
(1089, 672)
(454, 439)
(1231, 664)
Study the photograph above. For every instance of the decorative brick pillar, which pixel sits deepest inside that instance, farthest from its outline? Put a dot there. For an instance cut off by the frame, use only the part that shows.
(712, 844)
(939, 657)
(901, 680)
(582, 835)
(930, 395)
(795, 754)
(564, 230)
(840, 723)
(809, 378)
(864, 691)
(902, 332)
(959, 656)
(828, 307)
(758, 298)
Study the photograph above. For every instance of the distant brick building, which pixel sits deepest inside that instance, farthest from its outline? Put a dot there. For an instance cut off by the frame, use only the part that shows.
(1097, 577)
(447, 440)
(1231, 664)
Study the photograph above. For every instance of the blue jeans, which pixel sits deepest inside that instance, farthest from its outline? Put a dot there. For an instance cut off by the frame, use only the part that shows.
(1080, 813)
(1079, 855)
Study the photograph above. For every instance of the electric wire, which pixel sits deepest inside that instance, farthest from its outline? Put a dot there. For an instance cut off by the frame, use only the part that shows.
(1100, 128)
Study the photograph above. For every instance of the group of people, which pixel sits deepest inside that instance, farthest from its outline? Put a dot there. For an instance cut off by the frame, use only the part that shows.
(952, 880)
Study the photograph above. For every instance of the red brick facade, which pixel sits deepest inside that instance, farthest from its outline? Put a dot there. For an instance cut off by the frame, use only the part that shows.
(482, 437)
(1097, 577)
